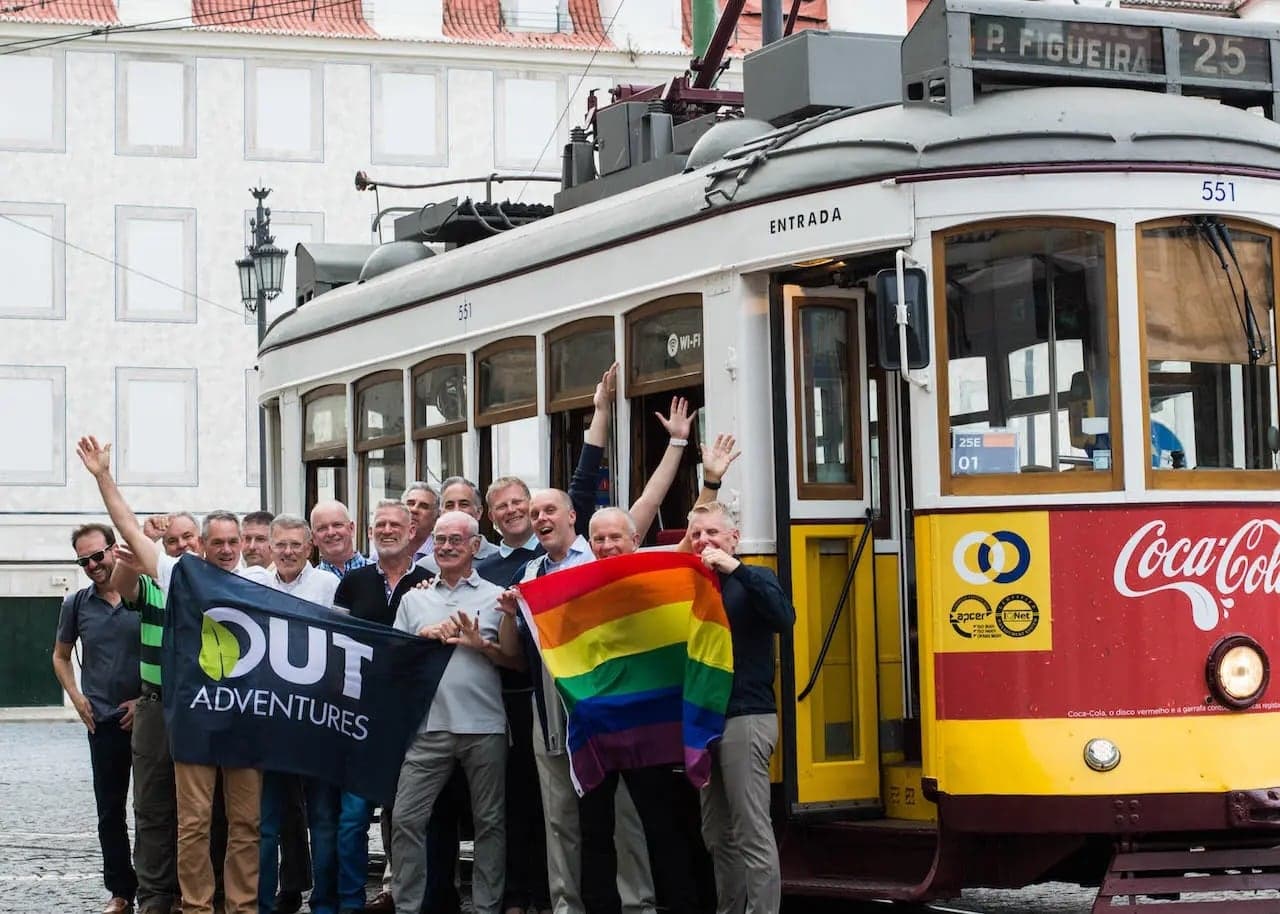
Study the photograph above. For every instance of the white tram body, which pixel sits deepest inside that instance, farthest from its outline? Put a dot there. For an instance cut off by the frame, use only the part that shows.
(809, 213)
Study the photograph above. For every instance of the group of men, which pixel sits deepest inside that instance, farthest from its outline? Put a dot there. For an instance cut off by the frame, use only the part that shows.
(493, 738)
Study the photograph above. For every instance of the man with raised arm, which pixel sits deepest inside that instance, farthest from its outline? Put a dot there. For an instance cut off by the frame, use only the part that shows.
(104, 698)
(334, 533)
(735, 805)
(465, 723)
(374, 593)
(154, 796)
(293, 574)
(656, 790)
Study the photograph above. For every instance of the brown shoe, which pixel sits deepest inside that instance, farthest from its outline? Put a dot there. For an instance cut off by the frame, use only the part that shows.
(118, 905)
(382, 903)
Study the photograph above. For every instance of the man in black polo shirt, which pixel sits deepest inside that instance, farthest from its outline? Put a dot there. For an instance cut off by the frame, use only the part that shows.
(105, 699)
(373, 593)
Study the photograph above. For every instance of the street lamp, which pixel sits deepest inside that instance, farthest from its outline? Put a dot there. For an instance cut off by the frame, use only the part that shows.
(261, 279)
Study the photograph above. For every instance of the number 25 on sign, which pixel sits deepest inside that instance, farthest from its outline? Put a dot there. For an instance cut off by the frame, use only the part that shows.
(1218, 191)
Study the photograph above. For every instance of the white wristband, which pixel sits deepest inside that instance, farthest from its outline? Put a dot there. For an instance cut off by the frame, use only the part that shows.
(679, 442)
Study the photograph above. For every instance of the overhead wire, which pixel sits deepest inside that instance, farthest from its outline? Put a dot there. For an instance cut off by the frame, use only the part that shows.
(254, 9)
(572, 95)
(123, 266)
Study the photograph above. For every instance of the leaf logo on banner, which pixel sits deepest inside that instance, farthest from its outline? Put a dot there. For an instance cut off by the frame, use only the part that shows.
(219, 649)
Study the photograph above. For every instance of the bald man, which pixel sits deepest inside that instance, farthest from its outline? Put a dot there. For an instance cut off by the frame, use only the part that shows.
(334, 533)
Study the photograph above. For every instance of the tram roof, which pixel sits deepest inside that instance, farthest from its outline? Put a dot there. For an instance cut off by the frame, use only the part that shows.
(1062, 125)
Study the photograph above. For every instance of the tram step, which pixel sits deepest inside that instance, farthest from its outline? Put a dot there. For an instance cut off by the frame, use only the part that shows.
(1151, 875)
(836, 855)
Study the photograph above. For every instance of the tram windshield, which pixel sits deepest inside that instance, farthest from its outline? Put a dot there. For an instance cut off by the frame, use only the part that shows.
(1207, 291)
(1028, 341)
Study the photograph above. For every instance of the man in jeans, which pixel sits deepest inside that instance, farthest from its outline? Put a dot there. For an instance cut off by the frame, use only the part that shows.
(105, 698)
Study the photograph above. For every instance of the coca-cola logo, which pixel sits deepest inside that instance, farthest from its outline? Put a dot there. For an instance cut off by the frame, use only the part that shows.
(1210, 571)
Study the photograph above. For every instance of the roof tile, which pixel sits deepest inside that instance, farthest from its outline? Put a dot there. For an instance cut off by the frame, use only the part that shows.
(480, 22)
(343, 18)
(747, 36)
(71, 12)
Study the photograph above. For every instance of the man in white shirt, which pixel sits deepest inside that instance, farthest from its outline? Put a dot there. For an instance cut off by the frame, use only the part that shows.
(466, 722)
(293, 574)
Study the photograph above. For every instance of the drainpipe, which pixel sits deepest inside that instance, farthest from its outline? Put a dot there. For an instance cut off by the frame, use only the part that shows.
(704, 23)
(770, 21)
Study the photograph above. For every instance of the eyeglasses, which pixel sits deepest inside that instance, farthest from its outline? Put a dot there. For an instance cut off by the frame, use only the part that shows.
(97, 557)
(455, 540)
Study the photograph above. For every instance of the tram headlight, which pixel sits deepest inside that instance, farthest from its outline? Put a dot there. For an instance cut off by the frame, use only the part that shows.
(1237, 671)
(1101, 754)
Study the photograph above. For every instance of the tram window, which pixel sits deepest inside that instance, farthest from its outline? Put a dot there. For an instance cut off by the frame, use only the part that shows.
(664, 359)
(577, 355)
(1029, 329)
(826, 400)
(440, 417)
(1207, 289)
(507, 408)
(379, 444)
(324, 444)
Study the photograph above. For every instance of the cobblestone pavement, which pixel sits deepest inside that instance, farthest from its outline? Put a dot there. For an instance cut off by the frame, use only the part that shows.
(50, 863)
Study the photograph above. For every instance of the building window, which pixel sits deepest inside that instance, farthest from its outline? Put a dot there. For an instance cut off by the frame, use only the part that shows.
(536, 16)
(440, 417)
(290, 229)
(34, 119)
(1210, 350)
(33, 400)
(527, 109)
(156, 269)
(410, 116)
(157, 427)
(379, 444)
(33, 261)
(155, 106)
(828, 437)
(284, 111)
(324, 444)
(1026, 318)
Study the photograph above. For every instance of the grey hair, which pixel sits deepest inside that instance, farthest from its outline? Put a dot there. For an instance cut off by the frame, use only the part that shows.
(396, 505)
(214, 516)
(188, 515)
(420, 486)
(629, 521)
(462, 481)
(473, 525)
(290, 522)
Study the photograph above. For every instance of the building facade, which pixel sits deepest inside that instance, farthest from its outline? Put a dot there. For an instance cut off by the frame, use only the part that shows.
(130, 135)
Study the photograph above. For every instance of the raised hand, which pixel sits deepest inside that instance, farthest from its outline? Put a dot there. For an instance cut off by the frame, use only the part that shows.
(606, 389)
(680, 421)
(717, 458)
(127, 560)
(468, 632)
(153, 527)
(95, 457)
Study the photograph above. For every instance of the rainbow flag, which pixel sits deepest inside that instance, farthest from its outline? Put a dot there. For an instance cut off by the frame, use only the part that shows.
(640, 651)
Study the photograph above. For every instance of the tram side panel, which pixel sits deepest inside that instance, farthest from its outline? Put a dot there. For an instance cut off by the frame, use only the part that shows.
(1046, 632)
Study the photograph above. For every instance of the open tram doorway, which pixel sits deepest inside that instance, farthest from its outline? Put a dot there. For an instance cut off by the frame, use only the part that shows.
(844, 549)
(664, 360)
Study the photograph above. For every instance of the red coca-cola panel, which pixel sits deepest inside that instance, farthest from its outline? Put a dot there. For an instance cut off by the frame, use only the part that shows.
(1139, 599)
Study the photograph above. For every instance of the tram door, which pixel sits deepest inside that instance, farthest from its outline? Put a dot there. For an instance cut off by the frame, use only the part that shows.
(664, 360)
(837, 648)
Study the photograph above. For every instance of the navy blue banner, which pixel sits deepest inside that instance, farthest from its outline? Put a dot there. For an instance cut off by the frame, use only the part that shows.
(257, 678)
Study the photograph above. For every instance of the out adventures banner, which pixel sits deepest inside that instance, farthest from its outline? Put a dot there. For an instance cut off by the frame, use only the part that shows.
(257, 678)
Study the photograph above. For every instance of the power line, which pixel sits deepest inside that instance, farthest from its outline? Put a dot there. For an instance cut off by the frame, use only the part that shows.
(122, 266)
(585, 70)
(36, 43)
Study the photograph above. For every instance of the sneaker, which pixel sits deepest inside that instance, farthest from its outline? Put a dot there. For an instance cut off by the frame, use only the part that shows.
(288, 902)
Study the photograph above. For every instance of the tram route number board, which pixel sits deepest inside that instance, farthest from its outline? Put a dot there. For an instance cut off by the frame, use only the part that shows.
(1114, 49)
(991, 451)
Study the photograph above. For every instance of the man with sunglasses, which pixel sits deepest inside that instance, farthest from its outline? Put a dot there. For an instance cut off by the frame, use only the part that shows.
(105, 699)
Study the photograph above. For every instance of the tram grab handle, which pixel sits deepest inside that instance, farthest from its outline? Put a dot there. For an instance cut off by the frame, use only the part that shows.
(902, 319)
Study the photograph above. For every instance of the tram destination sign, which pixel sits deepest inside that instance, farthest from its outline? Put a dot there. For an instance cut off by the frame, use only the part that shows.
(1117, 50)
